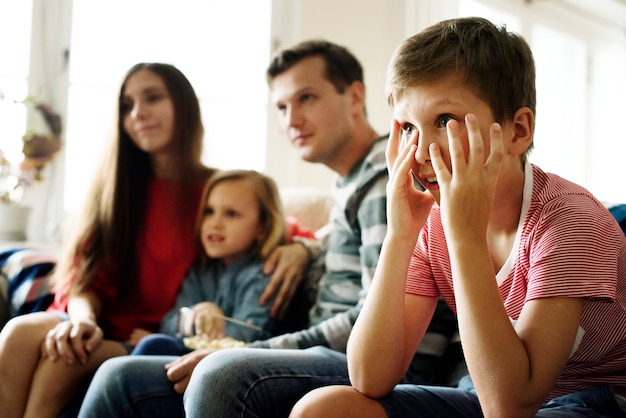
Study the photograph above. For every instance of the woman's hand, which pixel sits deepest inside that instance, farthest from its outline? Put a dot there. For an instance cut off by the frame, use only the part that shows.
(287, 264)
(72, 341)
(407, 207)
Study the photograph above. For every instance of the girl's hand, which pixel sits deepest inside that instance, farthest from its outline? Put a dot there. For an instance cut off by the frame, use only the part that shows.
(72, 341)
(205, 318)
(407, 207)
(468, 189)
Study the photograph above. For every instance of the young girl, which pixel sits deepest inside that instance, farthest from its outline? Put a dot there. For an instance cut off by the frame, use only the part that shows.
(239, 224)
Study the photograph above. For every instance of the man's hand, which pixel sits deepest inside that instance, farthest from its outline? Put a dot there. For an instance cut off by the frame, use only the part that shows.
(179, 371)
(287, 264)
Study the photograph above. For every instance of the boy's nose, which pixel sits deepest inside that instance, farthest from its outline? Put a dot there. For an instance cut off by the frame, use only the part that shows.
(422, 155)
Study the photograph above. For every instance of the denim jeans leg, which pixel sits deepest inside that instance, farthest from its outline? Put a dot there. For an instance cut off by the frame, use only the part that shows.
(259, 382)
(132, 386)
(594, 403)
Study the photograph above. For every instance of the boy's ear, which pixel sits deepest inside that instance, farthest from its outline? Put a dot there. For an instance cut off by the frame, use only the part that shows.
(523, 128)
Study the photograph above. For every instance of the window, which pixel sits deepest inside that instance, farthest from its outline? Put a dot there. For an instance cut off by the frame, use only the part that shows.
(14, 75)
(222, 47)
(580, 66)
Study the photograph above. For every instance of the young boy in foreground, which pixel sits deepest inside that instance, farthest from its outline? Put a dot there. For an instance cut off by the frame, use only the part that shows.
(533, 265)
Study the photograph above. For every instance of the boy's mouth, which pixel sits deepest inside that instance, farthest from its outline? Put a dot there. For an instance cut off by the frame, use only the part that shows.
(427, 182)
(430, 180)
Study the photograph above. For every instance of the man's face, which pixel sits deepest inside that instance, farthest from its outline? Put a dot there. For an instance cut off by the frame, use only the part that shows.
(316, 118)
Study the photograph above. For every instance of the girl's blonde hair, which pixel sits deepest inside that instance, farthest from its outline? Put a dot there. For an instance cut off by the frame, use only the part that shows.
(271, 216)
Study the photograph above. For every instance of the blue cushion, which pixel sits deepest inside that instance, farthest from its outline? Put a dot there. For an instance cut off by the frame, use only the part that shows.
(26, 272)
(619, 212)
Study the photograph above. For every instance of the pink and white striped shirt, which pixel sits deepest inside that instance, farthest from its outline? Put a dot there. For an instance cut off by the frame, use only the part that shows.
(567, 244)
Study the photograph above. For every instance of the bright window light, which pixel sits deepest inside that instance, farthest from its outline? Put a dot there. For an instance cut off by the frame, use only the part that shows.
(14, 75)
(222, 47)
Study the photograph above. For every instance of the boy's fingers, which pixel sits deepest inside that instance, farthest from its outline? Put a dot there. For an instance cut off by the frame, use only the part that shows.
(393, 145)
(457, 154)
(441, 171)
(496, 152)
(476, 144)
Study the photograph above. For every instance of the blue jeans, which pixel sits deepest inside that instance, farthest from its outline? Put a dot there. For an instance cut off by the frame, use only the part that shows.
(435, 402)
(132, 386)
(227, 383)
(252, 382)
(261, 381)
(160, 345)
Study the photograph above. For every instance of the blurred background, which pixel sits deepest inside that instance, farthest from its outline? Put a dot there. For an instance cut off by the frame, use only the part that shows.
(71, 55)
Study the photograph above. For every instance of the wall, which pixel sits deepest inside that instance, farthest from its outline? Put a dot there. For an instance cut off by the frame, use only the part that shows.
(372, 41)
(570, 116)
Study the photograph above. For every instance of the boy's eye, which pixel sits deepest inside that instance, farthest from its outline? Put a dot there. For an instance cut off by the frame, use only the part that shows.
(443, 120)
(306, 97)
(207, 211)
(408, 130)
(231, 214)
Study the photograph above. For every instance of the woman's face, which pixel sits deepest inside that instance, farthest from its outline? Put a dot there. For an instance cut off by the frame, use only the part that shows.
(148, 112)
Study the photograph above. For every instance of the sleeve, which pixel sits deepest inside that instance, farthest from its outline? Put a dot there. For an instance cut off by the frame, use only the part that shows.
(191, 292)
(334, 331)
(580, 260)
(248, 287)
(372, 216)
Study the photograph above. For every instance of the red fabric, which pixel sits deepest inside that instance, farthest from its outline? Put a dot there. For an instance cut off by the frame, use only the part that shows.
(295, 230)
(164, 252)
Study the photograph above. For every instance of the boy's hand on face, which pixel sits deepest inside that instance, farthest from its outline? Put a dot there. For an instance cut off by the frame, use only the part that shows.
(467, 189)
(407, 207)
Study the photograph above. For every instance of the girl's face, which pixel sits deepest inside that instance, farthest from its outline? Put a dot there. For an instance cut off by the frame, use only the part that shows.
(148, 112)
(424, 111)
(230, 224)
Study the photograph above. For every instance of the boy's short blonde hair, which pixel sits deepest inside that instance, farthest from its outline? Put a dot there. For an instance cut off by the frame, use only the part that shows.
(497, 65)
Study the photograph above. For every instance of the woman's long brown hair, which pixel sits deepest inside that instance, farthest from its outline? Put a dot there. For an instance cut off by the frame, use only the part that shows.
(106, 232)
